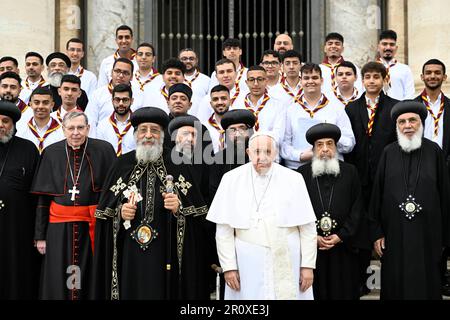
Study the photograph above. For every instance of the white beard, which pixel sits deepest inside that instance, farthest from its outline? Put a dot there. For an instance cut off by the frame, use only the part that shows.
(149, 153)
(55, 79)
(412, 144)
(322, 167)
(8, 136)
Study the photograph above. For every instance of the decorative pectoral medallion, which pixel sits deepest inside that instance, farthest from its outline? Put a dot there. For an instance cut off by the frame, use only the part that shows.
(2, 205)
(410, 207)
(326, 224)
(144, 235)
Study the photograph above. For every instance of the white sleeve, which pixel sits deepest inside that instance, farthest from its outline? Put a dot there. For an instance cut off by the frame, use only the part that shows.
(225, 247)
(92, 114)
(103, 79)
(409, 88)
(279, 126)
(287, 150)
(308, 244)
(347, 140)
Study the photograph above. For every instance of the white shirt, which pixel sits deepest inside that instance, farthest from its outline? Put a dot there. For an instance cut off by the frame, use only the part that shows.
(199, 84)
(402, 81)
(327, 87)
(28, 87)
(105, 131)
(27, 114)
(203, 109)
(429, 122)
(298, 121)
(59, 114)
(284, 93)
(356, 95)
(271, 118)
(88, 80)
(241, 70)
(153, 97)
(138, 91)
(214, 133)
(104, 74)
(24, 131)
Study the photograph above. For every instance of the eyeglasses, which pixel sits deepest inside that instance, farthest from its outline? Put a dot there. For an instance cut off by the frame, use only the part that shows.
(235, 130)
(122, 72)
(125, 100)
(184, 59)
(259, 79)
(270, 63)
(154, 132)
(73, 128)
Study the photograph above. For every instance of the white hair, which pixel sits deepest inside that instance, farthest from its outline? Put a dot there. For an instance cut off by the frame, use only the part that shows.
(55, 78)
(149, 153)
(264, 134)
(325, 166)
(410, 144)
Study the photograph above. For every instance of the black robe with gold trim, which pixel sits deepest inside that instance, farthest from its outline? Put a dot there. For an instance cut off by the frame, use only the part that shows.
(122, 268)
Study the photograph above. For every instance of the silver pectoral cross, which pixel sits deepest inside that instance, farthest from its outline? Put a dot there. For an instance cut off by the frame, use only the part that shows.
(74, 191)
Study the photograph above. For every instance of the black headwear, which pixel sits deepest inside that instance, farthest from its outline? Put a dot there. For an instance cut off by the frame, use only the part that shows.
(10, 110)
(182, 121)
(58, 55)
(409, 106)
(238, 116)
(149, 114)
(323, 131)
(181, 87)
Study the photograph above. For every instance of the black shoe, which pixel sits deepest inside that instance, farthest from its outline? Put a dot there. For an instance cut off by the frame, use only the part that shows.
(446, 290)
(363, 290)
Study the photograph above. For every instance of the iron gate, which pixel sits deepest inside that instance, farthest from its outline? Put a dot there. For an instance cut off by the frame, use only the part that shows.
(172, 25)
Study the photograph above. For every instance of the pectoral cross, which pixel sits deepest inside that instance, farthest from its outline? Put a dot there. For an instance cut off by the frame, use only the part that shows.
(74, 191)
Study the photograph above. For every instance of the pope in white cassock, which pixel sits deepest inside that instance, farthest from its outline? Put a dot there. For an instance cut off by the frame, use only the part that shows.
(266, 233)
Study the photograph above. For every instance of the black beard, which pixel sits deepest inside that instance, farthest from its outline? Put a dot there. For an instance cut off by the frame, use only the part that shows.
(11, 99)
(122, 113)
(222, 113)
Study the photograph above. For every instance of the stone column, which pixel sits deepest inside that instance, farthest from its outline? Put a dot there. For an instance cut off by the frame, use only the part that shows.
(27, 25)
(396, 20)
(103, 17)
(358, 21)
(68, 22)
(428, 29)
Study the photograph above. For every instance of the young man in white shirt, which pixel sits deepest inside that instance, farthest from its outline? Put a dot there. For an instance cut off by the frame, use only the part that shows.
(69, 91)
(346, 92)
(399, 80)
(117, 128)
(198, 81)
(42, 129)
(271, 62)
(34, 66)
(311, 108)
(290, 87)
(75, 51)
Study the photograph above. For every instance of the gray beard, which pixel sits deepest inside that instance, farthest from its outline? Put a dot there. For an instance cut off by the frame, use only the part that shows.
(148, 154)
(409, 145)
(8, 136)
(322, 167)
(55, 78)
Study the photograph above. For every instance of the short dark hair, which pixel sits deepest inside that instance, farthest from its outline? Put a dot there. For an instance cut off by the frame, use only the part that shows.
(124, 27)
(334, 36)
(292, 54)
(347, 64)
(231, 42)
(224, 61)
(374, 67)
(434, 61)
(271, 53)
(148, 45)
(42, 91)
(310, 67)
(388, 34)
(34, 54)
(122, 88)
(7, 58)
(71, 78)
(124, 60)
(220, 88)
(187, 50)
(173, 63)
(11, 75)
(256, 68)
(74, 40)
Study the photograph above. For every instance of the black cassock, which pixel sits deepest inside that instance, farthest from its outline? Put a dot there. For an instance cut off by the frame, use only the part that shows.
(410, 263)
(122, 268)
(68, 244)
(336, 275)
(19, 260)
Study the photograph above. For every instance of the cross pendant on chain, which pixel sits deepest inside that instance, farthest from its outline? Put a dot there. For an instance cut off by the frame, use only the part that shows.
(74, 191)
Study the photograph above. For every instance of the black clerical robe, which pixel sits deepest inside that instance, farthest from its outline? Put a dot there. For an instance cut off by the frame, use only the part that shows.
(410, 263)
(336, 275)
(66, 220)
(124, 268)
(19, 260)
